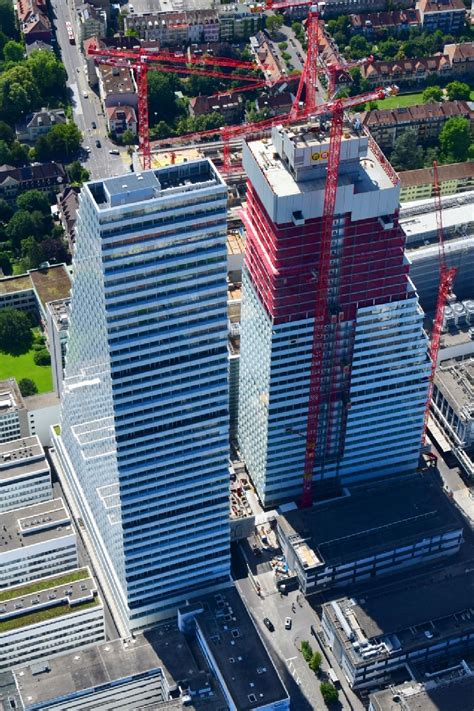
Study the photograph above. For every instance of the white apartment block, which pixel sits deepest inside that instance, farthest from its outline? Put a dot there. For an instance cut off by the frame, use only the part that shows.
(35, 542)
(13, 416)
(25, 476)
(49, 616)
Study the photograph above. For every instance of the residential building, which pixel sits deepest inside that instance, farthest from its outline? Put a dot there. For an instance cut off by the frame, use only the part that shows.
(452, 405)
(276, 104)
(176, 27)
(406, 72)
(91, 22)
(120, 119)
(57, 324)
(117, 86)
(386, 125)
(68, 202)
(230, 106)
(356, 539)
(453, 178)
(448, 690)
(240, 22)
(39, 123)
(43, 413)
(47, 177)
(13, 417)
(381, 373)
(144, 419)
(235, 652)
(25, 476)
(49, 616)
(36, 541)
(445, 15)
(461, 57)
(344, 7)
(393, 22)
(34, 21)
(36, 45)
(373, 636)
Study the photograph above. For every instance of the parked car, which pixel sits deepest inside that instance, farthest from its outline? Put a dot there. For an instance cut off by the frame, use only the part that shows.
(98, 143)
(93, 124)
(114, 152)
(288, 623)
(268, 624)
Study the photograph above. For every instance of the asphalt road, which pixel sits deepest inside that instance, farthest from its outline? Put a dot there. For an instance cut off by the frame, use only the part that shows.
(284, 645)
(99, 162)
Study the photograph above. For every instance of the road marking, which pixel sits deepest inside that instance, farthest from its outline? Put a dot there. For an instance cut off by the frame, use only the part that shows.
(290, 658)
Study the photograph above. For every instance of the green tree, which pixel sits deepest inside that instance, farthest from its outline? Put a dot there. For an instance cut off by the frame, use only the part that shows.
(33, 200)
(458, 90)
(273, 23)
(306, 651)
(359, 47)
(315, 661)
(31, 253)
(407, 154)
(22, 225)
(162, 101)
(5, 154)
(5, 264)
(20, 154)
(48, 73)
(5, 211)
(77, 173)
(18, 93)
(16, 335)
(62, 142)
(7, 134)
(7, 18)
(13, 51)
(27, 387)
(55, 251)
(432, 94)
(455, 139)
(42, 357)
(388, 49)
(329, 693)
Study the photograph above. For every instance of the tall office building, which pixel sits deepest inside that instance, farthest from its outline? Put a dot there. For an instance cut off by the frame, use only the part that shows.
(144, 415)
(375, 367)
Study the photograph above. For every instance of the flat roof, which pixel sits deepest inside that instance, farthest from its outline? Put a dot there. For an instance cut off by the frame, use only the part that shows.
(375, 517)
(240, 653)
(36, 402)
(46, 598)
(51, 283)
(12, 284)
(405, 617)
(134, 188)
(30, 525)
(10, 396)
(163, 647)
(22, 457)
(455, 379)
(59, 311)
(453, 695)
(235, 243)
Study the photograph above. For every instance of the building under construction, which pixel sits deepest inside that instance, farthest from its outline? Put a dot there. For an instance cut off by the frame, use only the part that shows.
(374, 368)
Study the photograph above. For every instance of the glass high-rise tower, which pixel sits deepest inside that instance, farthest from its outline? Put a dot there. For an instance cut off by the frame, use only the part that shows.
(144, 413)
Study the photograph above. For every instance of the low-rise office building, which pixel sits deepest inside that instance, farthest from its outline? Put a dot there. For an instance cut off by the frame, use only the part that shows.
(25, 476)
(374, 635)
(452, 406)
(49, 616)
(235, 652)
(13, 413)
(358, 538)
(57, 323)
(36, 541)
(155, 669)
(452, 690)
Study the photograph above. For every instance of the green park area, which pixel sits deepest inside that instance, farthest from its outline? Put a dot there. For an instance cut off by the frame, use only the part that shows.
(24, 354)
(400, 101)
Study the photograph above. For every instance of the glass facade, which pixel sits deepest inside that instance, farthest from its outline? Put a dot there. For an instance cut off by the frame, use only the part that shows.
(144, 431)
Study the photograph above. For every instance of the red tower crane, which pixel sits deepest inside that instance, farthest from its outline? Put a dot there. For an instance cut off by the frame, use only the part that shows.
(446, 279)
(142, 60)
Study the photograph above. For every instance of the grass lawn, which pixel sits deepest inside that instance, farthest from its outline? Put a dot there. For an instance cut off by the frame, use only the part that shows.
(396, 102)
(23, 366)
